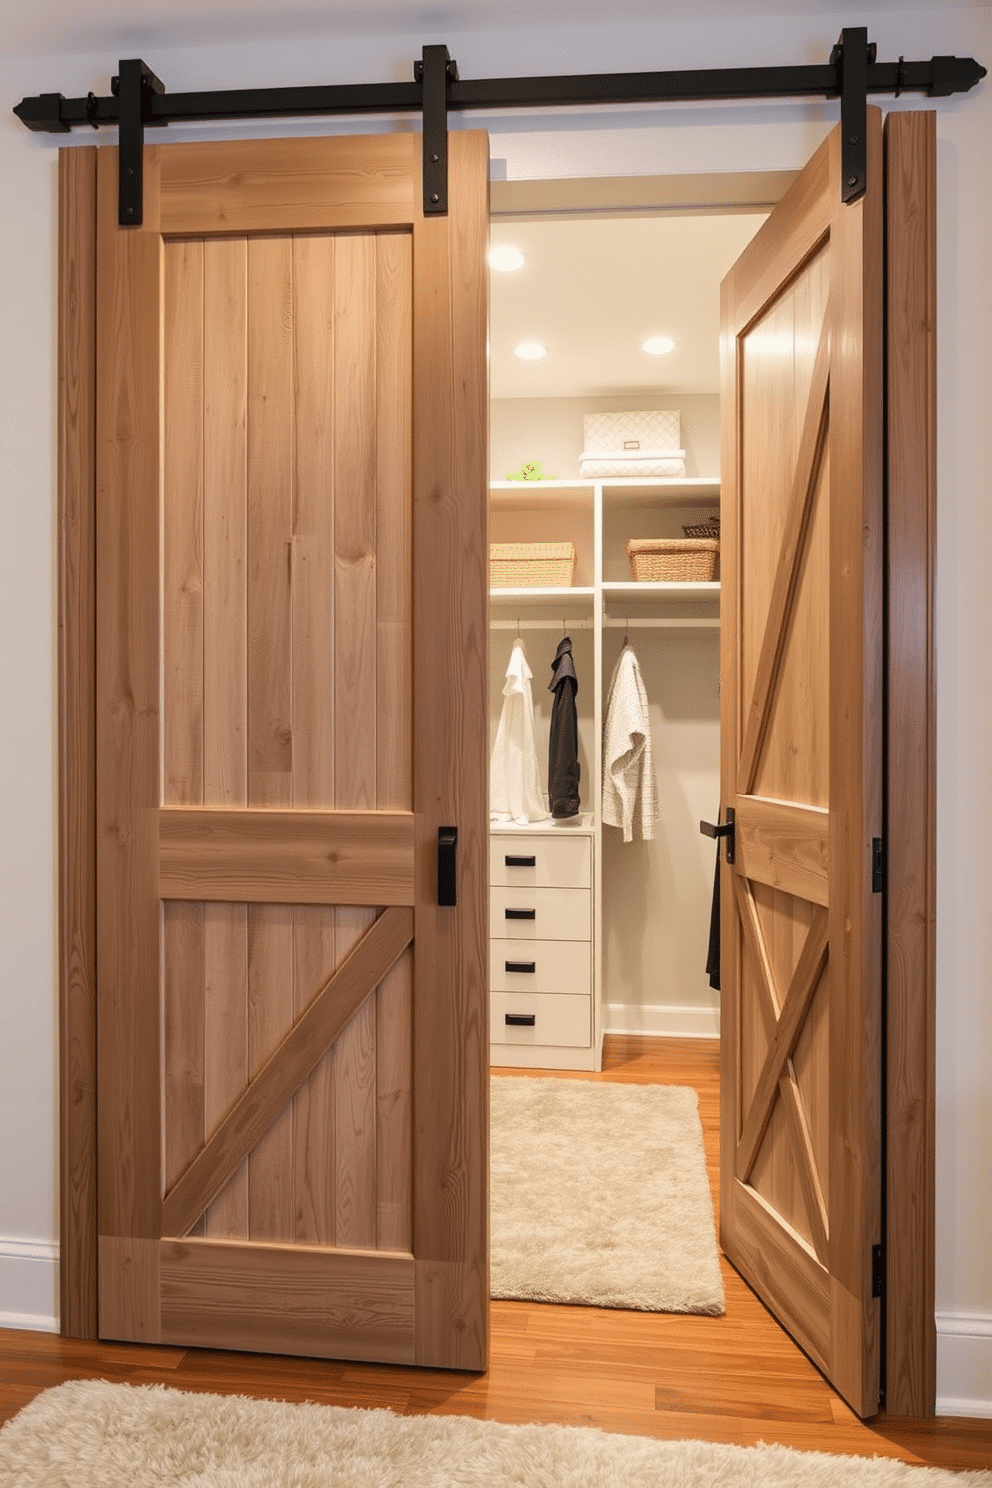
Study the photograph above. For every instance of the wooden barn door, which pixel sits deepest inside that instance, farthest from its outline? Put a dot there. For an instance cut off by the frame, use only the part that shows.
(291, 701)
(801, 562)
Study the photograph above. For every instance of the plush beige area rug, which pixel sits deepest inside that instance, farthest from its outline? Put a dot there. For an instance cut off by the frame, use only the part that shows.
(599, 1195)
(90, 1434)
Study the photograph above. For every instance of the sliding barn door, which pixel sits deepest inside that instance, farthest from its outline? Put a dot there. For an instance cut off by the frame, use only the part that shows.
(801, 562)
(291, 701)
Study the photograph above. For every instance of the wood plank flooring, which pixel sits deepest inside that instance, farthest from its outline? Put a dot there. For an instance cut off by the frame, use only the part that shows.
(738, 1378)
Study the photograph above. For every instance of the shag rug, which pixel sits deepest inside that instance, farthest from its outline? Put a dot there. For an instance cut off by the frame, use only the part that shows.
(90, 1434)
(599, 1195)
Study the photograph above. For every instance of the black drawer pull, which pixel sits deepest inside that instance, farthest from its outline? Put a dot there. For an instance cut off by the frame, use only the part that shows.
(516, 862)
(520, 1020)
(520, 914)
(529, 966)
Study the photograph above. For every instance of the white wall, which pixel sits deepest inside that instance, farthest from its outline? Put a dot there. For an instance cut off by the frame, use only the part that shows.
(640, 141)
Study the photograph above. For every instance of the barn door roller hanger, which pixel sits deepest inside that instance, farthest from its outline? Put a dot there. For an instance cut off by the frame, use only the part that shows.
(139, 101)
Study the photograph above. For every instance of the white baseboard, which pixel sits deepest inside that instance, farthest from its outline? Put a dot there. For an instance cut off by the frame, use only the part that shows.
(964, 1364)
(661, 1020)
(29, 1285)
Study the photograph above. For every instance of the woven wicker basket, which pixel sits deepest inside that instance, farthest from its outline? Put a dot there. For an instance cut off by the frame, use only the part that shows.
(531, 565)
(673, 560)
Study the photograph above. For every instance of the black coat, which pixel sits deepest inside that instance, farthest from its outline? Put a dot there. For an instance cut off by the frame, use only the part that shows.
(563, 751)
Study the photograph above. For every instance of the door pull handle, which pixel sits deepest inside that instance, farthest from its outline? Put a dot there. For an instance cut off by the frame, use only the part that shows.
(528, 967)
(520, 914)
(520, 1020)
(727, 829)
(513, 860)
(447, 865)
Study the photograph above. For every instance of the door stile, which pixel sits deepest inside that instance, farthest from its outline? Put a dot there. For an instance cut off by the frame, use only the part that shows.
(450, 551)
(856, 759)
(128, 458)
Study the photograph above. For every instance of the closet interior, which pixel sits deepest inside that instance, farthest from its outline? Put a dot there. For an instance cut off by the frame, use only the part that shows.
(597, 927)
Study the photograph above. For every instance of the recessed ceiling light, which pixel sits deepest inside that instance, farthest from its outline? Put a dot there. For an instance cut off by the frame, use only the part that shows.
(506, 259)
(530, 351)
(658, 345)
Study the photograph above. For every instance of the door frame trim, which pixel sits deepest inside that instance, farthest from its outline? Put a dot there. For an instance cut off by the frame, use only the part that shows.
(910, 1340)
(910, 1337)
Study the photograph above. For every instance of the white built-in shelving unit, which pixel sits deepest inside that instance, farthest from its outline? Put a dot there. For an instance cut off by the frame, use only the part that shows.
(598, 516)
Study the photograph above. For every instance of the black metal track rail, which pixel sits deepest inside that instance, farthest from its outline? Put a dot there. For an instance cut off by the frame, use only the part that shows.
(138, 101)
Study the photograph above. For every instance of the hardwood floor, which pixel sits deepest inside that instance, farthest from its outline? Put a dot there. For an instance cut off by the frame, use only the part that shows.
(738, 1378)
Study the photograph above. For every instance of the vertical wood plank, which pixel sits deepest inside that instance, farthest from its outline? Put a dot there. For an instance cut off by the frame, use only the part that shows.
(394, 714)
(76, 726)
(856, 631)
(225, 1037)
(182, 685)
(270, 1014)
(911, 1345)
(450, 537)
(225, 533)
(394, 559)
(225, 681)
(355, 726)
(127, 708)
(183, 979)
(270, 738)
(313, 696)
(270, 495)
(394, 1108)
(182, 525)
(313, 1107)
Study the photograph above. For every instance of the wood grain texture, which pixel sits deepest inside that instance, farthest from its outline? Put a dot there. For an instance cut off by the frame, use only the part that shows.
(782, 596)
(738, 1378)
(287, 857)
(295, 1057)
(301, 1299)
(286, 670)
(785, 845)
(127, 714)
(911, 205)
(76, 729)
(450, 544)
(129, 1289)
(291, 185)
(856, 630)
(225, 686)
(803, 1083)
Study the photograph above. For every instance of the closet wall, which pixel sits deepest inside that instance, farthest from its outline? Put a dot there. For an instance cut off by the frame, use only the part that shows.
(656, 895)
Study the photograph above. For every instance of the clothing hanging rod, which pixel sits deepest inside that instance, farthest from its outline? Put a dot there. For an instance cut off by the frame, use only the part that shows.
(525, 624)
(665, 622)
(139, 100)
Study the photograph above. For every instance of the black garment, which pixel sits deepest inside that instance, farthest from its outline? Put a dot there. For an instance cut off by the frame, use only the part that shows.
(563, 750)
(713, 949)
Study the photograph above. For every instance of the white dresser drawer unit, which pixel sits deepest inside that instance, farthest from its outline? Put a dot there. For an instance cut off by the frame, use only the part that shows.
(552, 862)
(540, 914)
(555, 966)
(540, 1019)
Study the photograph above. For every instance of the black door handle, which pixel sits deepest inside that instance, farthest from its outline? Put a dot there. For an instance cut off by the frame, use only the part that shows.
(513, 861)
(520, 914)
(520, 1020)
(726, 829)
(524, 966)
(447, 865)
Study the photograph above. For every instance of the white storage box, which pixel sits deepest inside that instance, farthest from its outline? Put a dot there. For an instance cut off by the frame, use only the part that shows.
(651, 431)
(594, 465)
(632, 444)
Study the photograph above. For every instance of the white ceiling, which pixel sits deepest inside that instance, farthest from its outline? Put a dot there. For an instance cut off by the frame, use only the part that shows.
(123, 26)
(592, 291)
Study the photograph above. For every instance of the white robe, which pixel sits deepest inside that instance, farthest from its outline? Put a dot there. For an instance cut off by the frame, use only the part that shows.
(514, 772)
(630, 793)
